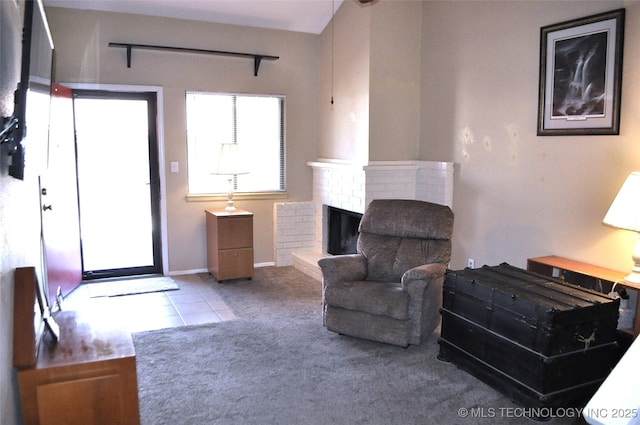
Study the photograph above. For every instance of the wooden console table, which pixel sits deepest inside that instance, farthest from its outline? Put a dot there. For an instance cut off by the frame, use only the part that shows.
(88, 377)
(583, 274)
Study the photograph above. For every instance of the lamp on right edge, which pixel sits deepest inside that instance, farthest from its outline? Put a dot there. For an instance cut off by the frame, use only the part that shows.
(624, 213)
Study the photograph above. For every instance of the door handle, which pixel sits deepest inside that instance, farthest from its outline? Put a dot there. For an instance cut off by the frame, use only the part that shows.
(46, 207)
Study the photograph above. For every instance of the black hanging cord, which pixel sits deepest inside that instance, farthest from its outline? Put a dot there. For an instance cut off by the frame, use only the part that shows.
(333, 15)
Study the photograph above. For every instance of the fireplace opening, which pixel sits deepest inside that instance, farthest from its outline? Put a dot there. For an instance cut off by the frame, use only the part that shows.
(342, 234)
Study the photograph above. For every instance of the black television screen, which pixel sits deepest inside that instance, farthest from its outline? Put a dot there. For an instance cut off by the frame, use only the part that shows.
(10, 51)
(33, 95)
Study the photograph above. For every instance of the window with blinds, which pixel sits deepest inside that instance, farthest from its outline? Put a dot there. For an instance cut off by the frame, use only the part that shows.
(254, 122)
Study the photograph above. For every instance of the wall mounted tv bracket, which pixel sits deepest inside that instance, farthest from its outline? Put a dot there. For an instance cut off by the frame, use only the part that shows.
(10, 125)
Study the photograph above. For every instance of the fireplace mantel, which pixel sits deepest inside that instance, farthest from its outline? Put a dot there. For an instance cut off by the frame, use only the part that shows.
(371, 166)
(351, 186)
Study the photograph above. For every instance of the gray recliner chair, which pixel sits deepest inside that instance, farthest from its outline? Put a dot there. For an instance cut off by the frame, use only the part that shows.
(391, 290)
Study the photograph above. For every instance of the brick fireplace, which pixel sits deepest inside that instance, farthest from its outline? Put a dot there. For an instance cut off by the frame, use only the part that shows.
(300, 228)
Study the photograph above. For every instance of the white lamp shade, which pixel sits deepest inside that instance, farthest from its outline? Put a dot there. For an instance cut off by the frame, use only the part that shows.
(230, 161)
(624, 212)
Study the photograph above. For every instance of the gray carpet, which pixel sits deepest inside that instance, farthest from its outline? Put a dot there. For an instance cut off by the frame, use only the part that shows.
(276, 364)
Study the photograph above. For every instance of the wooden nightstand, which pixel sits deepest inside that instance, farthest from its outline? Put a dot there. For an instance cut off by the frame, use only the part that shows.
(583, 274)
(230, 244)
(87, 377)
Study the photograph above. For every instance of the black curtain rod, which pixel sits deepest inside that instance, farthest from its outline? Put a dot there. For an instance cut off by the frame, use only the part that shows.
(257, 58)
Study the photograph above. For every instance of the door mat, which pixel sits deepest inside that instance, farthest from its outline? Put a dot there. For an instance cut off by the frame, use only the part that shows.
(118, 288)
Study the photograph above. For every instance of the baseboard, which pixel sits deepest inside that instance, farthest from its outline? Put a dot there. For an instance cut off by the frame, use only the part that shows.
(194, 271)
(183, 272)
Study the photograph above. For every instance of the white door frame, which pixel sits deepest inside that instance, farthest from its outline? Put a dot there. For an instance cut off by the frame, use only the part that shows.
(161, 158)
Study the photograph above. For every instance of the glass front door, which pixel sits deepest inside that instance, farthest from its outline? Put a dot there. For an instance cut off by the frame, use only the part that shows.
(118, 183)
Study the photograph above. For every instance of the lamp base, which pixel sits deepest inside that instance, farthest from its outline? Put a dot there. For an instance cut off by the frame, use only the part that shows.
(230, 207)
(634, 276)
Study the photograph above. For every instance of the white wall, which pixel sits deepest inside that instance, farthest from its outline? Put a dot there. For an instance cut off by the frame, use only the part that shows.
(83, 55)
(345, 76)
(395, 86)
(19, 247)
(517, 195)
(19, 210)
(371, 66)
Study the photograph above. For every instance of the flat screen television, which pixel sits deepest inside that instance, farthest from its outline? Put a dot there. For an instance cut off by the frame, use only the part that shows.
(27, 131)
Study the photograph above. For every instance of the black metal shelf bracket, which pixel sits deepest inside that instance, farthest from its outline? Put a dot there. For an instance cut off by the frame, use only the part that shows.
(257, 58)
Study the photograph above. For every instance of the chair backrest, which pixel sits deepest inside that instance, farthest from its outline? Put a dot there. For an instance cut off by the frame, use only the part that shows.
(396, 235)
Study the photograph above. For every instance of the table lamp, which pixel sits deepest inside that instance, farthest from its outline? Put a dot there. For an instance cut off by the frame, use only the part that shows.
(624, 213)
(230, 163)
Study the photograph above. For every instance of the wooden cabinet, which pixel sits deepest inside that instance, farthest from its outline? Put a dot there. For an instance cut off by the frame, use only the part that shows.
(586, 275)
(88, 377)
(229, 244)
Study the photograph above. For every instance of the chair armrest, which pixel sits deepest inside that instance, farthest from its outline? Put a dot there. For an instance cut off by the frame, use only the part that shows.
(422, 274)
(343, 267)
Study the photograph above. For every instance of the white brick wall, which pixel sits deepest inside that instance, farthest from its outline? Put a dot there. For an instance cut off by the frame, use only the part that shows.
(435, 182)
(391, 181)
(299, 227)
(294, 229)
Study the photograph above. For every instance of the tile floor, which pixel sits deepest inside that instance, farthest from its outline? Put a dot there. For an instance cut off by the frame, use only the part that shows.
(194, 303)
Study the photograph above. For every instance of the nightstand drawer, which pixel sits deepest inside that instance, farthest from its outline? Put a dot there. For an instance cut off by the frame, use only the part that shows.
(235, 232)
(235, 263)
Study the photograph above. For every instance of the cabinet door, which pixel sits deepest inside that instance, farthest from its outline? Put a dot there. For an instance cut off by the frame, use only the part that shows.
(235, 263)
(93, 401)
(235, 232)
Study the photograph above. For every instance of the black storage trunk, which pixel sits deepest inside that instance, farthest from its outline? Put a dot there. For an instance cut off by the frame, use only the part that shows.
(541, 341)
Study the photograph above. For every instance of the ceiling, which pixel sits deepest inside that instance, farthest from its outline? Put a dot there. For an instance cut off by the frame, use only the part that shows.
(310, 16)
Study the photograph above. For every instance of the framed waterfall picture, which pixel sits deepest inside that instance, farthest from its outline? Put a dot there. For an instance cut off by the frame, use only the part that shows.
(581, 76)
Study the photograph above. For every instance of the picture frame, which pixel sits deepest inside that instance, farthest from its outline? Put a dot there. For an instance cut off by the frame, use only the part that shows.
(581, 76)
